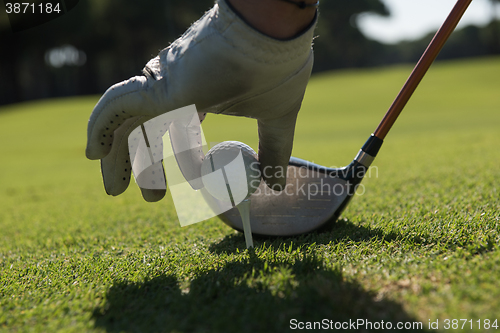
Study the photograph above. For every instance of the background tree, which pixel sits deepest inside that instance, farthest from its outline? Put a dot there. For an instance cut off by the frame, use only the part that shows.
(340, 42)
(120, 36)
(495, 28)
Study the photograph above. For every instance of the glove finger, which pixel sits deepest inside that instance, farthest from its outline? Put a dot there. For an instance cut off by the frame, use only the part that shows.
(275, 148)
(187, 145)
(146, 154)
(119, 103)
(146, 150)
(152, 182)
(154, 195)
(116, 166)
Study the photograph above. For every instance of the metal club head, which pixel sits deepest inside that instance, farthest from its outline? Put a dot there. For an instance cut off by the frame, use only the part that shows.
(318, 196)
(314, 196)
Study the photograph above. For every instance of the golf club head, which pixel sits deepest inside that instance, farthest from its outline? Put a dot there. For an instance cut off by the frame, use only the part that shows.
(314, 197)
(281, 214)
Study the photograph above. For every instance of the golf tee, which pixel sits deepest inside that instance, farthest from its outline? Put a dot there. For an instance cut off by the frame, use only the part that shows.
(244, 209)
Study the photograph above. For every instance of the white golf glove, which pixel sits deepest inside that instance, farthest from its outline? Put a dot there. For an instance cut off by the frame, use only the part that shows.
(222, 65)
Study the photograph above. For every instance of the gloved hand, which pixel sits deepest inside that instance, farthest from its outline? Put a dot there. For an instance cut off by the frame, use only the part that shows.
(222, 65)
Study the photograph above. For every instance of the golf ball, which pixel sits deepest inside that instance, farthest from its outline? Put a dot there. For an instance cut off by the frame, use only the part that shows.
(230, 171)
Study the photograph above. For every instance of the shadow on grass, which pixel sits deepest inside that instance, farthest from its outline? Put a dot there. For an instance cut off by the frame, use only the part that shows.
(245, 296)
(341, 231)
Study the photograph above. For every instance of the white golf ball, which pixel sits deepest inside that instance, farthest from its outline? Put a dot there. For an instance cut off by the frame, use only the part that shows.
(230, 171)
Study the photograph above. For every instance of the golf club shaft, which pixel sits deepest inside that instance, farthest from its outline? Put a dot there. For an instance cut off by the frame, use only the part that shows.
(421, 68)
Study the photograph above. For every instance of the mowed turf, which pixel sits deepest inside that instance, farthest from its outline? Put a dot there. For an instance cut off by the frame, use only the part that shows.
(420, 243)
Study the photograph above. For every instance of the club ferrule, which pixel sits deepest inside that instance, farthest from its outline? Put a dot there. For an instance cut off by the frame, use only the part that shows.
(364, 158)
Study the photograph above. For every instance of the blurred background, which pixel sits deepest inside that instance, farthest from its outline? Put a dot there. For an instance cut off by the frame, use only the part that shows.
(101, 42)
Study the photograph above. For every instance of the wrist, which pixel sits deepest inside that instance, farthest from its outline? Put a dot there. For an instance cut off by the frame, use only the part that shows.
(276, 18)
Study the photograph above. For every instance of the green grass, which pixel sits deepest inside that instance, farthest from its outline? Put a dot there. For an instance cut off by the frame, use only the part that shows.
(422, 242)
